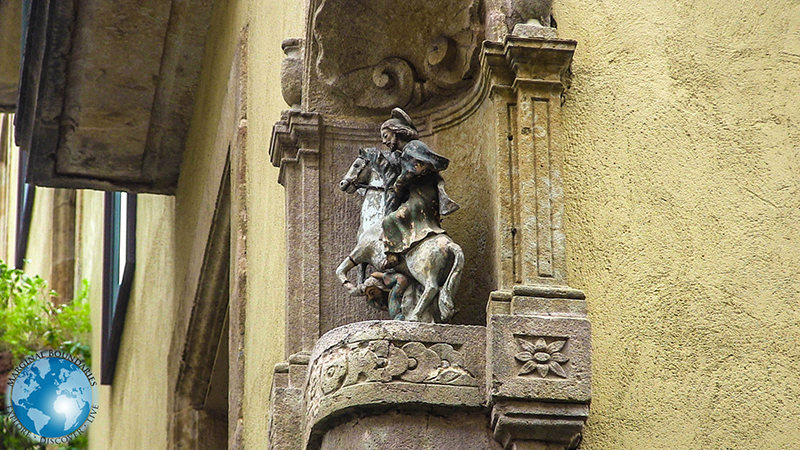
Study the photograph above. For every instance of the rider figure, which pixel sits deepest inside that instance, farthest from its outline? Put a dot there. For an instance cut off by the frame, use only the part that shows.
(416, 198)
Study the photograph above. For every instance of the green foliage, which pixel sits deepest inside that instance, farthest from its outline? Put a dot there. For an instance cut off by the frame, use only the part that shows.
(30, 322)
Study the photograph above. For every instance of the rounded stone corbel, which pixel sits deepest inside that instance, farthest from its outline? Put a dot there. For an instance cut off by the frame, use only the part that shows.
(292, 72)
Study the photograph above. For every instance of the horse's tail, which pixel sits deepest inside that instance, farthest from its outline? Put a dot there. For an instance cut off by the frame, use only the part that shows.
(446, 306)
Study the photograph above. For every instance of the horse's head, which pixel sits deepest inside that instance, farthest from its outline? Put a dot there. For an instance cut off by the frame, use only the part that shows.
(358, 175)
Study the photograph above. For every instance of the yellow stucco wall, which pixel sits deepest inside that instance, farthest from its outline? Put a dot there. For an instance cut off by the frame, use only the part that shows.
(682, 185)
(133, 410)
(271, 22)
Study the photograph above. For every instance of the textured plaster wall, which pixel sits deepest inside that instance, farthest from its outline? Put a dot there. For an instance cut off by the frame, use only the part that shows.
(270, 22)
(682, 185)
(40, 237)
(133, 410)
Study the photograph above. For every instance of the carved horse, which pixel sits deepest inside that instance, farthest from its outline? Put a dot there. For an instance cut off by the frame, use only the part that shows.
(435, 263)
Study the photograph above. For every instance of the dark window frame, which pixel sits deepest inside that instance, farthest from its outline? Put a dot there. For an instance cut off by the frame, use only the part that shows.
(116, 294)
(26, 193)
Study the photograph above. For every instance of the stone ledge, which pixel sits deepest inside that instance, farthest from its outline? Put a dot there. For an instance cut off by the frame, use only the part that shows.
(556, 423)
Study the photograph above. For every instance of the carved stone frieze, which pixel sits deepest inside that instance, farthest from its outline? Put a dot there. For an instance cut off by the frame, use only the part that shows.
(384, 364)
(386, 361)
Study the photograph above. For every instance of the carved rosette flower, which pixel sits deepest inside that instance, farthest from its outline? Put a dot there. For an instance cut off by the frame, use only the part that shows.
(542, 357)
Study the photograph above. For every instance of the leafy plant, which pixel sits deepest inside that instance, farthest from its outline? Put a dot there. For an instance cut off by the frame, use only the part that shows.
(30, 322)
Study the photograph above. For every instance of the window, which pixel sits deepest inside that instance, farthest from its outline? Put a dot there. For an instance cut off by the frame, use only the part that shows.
(25, 196)
(119, 261)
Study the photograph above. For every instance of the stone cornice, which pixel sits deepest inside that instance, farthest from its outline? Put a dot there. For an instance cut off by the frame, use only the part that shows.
(87, 115)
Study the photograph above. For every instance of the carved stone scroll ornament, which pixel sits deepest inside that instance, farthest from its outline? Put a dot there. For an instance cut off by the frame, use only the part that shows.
(378, 54)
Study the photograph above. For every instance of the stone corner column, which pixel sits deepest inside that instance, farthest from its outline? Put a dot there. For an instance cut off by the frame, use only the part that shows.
(286, 403)
(538, 333)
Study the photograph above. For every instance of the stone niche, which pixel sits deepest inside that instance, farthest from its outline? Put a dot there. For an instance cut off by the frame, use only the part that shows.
(513, 367)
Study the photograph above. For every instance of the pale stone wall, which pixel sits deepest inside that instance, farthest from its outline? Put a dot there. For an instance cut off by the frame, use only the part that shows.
(681, 181)
(134, 409)
(89, 212)
(8, 188)
(40, 238)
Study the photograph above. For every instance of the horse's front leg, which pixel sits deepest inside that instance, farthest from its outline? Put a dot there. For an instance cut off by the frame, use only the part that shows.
(341, 273)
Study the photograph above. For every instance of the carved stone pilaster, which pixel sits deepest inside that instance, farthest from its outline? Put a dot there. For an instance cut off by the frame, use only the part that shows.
(528, 82)
(538, 334)
(538, 366)
(295, 149)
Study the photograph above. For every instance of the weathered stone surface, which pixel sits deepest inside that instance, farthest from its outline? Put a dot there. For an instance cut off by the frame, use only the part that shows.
(372, 366)
(536, 425)
(106, 123)
(292, 72)
(528, 12)
(195, 429)
(10, 32)
(412, 431)
(285, 427)
(522, 305)
(558, 368)
(374, 55)
(532, 30)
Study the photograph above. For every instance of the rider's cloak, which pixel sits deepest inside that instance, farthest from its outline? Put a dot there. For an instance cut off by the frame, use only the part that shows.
(420, 191)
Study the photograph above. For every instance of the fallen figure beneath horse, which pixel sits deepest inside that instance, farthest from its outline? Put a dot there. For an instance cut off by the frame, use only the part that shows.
(400, 232)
